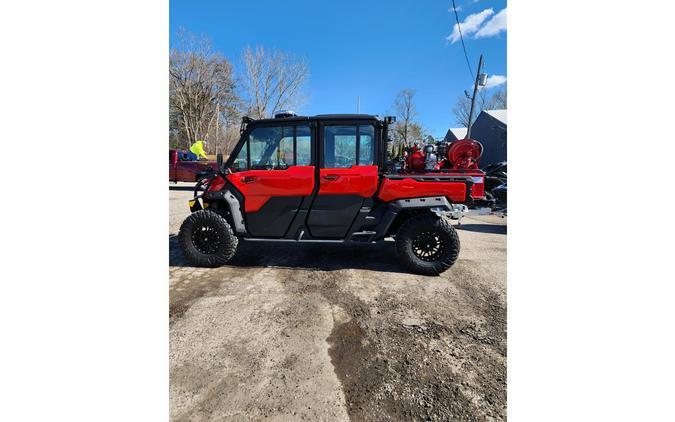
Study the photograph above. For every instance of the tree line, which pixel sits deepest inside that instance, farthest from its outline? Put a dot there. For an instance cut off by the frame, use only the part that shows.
(208, 96)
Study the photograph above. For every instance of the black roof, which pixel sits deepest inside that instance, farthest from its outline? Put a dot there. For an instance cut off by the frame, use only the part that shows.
(320, 117)
(346, 116)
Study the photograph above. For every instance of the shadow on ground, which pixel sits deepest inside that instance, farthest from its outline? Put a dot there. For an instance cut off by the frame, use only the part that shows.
(483, 228)
(180, 187)
(323, 257)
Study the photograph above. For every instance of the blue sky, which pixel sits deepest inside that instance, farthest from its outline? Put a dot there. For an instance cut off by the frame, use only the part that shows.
(365, 48)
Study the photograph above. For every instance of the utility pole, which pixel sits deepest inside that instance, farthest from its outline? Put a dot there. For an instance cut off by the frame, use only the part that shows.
(473, 98)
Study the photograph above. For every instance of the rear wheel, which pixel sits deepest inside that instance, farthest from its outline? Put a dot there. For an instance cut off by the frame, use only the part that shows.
(427, 244)
(207, 240)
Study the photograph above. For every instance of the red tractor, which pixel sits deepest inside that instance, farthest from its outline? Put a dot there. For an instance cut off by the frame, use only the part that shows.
(330, 178)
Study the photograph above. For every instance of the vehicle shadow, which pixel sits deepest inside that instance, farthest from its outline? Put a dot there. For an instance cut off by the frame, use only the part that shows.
(483, 228)
(314, 256)
(179, 187)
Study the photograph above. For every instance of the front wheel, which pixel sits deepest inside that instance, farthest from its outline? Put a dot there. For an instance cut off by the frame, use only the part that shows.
(427, 244)
(207, 240)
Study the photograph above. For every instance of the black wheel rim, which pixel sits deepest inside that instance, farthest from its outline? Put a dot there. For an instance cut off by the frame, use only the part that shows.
(206, 239)
(427, 246)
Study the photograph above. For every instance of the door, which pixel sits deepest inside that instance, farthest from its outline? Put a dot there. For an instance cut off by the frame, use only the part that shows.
(347, 178)
(275, 175)
(185, 171)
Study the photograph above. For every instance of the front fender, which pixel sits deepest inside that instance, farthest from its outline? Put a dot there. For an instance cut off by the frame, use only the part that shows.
(227, 199)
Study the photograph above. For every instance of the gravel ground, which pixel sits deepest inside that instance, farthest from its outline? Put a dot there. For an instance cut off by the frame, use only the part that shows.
(334, 333)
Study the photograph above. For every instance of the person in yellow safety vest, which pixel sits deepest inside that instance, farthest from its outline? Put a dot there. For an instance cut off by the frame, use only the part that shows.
(197, 150)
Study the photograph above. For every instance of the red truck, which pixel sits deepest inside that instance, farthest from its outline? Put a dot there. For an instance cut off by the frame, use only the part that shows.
(182, 170)
(331, 178)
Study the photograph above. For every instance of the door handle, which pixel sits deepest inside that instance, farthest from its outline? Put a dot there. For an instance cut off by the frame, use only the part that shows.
(331, 177)
(248, 179)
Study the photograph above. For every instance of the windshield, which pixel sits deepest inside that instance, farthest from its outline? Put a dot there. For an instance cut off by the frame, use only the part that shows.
(275, 148)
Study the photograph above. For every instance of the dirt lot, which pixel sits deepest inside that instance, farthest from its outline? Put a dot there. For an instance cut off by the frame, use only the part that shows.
(334, 333)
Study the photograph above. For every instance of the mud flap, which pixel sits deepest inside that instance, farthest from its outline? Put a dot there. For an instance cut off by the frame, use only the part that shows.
(195, 205)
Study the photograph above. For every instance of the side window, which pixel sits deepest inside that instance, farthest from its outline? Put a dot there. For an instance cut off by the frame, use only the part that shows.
(262, 143)
(281, 156)
(303, 146)
(339, 146)
(366, 145)
(346, 146)
(275, 148)
(241, 162)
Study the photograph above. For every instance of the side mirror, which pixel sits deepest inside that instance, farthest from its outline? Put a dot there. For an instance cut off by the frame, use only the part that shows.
(219, 161)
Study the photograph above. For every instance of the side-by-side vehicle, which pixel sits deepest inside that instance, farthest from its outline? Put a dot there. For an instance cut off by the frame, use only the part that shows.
(332, 178)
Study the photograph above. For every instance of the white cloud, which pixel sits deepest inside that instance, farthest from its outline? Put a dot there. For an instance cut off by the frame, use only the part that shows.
(495, 80)
(460, 7)
(470, 25)
(494, 26)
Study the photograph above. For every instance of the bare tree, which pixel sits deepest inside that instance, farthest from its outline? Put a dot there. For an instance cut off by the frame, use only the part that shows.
(228, 135)
(273, 80)
(498, 100)
(201, 85)
(407, 130)
(404, 107)
(417, 133)
(408, 135)
(483, 102)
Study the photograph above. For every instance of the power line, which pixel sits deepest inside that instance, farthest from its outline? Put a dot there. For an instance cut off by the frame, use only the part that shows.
(459, 28)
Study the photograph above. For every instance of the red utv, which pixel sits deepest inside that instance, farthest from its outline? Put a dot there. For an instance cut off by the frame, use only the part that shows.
(330, 178)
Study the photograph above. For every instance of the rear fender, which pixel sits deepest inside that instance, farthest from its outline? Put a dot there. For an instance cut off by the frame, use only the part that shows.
(402, 209)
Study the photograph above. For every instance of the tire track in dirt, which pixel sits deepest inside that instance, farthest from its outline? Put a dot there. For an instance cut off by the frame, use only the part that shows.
(437, 368)
(403, 347)
(248, 349)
